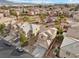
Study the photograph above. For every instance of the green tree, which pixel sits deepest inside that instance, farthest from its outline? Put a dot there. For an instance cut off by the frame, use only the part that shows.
(40, 6)
(4, 7)
(23, 39)
(60, 30)
(2, 27)
(60, 18)
(59, 37)
(23, 13)
(13, 12)
(42, 16)
(29, 19)
(26, 18)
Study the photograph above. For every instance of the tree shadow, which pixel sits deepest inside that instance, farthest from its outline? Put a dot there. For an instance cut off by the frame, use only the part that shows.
(4, 46)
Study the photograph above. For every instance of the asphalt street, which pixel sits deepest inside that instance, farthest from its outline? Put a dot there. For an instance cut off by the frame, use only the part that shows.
(11, 52)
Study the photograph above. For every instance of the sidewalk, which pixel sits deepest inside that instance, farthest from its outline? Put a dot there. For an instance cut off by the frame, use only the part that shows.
(36, 51)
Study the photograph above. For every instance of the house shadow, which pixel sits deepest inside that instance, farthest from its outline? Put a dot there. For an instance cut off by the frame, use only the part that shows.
(4, 46)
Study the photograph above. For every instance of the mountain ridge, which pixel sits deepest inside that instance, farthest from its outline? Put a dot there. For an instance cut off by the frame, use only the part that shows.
(6, 2)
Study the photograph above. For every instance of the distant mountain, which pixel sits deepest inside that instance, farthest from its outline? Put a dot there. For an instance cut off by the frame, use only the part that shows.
(5, 2)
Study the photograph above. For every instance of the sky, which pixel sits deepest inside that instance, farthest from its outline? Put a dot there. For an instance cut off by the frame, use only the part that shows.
(45, 1)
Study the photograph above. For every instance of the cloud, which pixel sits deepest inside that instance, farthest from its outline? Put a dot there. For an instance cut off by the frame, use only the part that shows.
(19, 1)
(31, 1)
(73, 1)
(42, 1)
(45, 1)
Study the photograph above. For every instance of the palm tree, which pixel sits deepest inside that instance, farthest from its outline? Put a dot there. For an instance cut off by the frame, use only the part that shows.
(54, 48)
